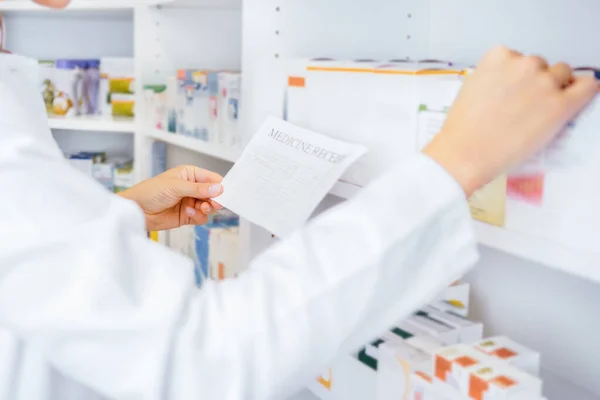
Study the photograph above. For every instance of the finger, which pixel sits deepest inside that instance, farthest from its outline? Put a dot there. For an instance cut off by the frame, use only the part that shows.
(499, 54)
(196, 190)
(194, 174)
(193, 214)
(198, 219)
(216, 205)
(207, 208)
(562, 73)
(540, 63)
(578, 95)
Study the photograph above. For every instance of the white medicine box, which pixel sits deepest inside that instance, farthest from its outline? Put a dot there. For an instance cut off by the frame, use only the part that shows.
(368, 102)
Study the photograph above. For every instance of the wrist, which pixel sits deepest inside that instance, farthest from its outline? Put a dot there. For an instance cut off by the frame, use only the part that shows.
(462, 168)
(129, 195)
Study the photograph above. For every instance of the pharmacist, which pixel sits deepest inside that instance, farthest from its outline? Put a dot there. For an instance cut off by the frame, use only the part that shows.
(88, 304)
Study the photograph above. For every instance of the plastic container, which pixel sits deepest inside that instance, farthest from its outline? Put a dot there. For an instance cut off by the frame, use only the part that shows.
(123, 105)
(116, 76)
(156, 105)
(124, 175)
(75, 86)
(91, 87)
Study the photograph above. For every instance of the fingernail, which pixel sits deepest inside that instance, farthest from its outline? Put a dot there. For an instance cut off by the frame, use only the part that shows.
(208, 208)
(190, 211)
(213, 190)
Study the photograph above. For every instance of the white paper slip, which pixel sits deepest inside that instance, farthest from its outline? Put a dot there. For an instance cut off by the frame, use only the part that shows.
(283, 174)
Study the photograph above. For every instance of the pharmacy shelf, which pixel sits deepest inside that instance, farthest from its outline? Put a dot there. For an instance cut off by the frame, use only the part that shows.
(529, 247)
(209, 4)
(28, 5)
(555, 388)
(540, 250)
(93, 124)
(226, 153)
(98, 5)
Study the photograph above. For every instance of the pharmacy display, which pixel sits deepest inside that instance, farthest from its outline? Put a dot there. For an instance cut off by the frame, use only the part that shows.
(395, 108)
(435, 354)
(116, 174)
(88, 87)
(283, 174)
(198, 103)
(214, 247)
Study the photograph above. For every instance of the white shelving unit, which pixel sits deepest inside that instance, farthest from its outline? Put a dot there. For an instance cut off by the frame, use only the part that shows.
(225, 153)
(86, 29)
(77, 5)
(93, 124)
(530, 247)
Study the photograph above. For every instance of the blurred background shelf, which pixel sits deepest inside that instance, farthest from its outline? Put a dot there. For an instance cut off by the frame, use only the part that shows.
(93, 124)
(28, 5)
(540, 250)
(230, 154)
(115, 5)
(528, 247)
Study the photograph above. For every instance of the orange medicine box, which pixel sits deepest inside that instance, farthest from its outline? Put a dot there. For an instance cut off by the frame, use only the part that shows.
(514, 353)
(499, 381)
(454, 365)
(481, 377)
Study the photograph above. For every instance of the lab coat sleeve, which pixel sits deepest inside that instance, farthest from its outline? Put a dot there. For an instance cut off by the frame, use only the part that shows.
(85, 293)
(330, 288)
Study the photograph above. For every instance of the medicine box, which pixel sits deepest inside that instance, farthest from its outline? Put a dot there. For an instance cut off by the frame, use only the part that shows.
(193, 111)
(454, 299)
(512, 352)
(228, 108)
(446, 334)
(481, 377)
(406, 372)
(398, 362)
(124, 174)
(369, 102)
(216, 249)
(213, 107)
(223, 256)
(469, 332)
(454, 365)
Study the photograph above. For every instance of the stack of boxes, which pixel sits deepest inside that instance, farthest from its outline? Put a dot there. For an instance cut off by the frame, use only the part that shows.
(88, 87)
(217, 253)
(201, 104)
(117, 87)
(363, 101)
(115, 173)
(436, 355)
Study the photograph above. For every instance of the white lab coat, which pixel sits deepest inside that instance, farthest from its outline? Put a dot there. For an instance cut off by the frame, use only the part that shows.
(86, 299)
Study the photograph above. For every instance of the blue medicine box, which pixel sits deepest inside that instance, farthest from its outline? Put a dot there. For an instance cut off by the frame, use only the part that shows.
(202, 243)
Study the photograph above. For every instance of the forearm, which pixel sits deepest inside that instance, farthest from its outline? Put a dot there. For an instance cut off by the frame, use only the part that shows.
(331, 287)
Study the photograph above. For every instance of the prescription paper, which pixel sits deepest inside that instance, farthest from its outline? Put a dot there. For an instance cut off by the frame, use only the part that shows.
(283, 174)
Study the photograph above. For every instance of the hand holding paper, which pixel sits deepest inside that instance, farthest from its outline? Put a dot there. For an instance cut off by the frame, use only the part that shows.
(283, 174)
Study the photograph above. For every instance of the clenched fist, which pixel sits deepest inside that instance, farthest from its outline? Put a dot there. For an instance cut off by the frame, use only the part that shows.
(511, 107)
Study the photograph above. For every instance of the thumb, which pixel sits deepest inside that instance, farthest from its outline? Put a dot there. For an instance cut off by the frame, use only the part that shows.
(196, 190)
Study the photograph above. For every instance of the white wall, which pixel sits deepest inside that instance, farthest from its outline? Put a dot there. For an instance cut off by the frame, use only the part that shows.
(70, 35)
